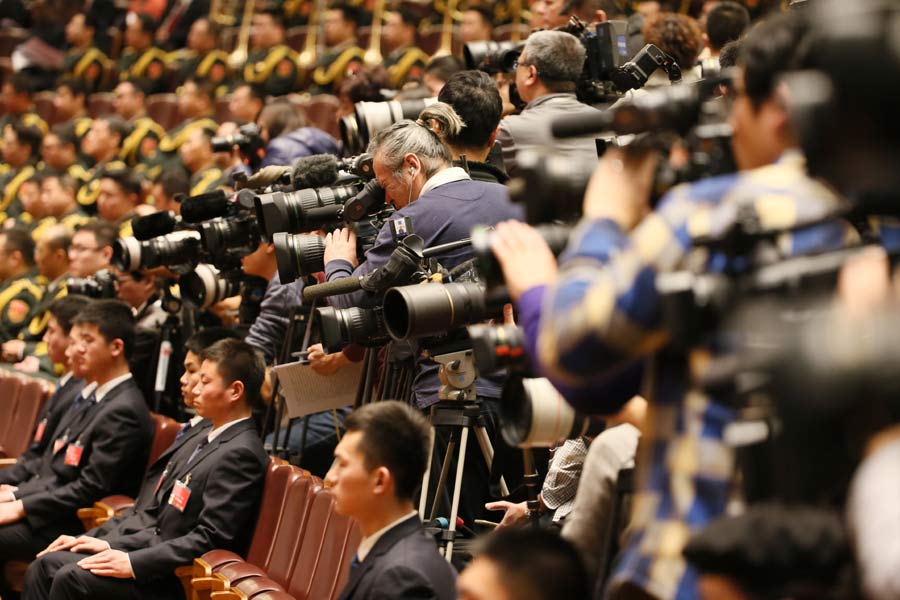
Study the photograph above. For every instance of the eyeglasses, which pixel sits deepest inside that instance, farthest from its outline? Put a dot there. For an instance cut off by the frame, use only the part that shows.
(516, 64)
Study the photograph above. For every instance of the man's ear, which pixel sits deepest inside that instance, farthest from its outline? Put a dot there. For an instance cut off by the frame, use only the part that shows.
(117, 347)
(384, 481)
(237, 390)
(493, 137)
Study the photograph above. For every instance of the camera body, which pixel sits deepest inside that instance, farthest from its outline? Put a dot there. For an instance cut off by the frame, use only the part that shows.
(246, 139)
(101, 284)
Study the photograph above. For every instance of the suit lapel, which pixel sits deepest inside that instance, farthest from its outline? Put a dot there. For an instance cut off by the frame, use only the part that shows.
(381, 547)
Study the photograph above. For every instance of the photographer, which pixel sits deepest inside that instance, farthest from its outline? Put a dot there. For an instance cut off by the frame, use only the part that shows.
(603, 313)
(286, 136)
(546, 73)
(475, 98)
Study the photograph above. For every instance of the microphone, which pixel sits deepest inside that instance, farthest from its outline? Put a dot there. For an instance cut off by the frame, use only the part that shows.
(203, 207)
(315, 171)
(344, 285)
(154, 225)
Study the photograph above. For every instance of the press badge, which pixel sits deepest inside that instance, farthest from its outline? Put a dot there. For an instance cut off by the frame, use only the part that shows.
(39, 432)
(58, 443)
(181, 493)
(73, 454)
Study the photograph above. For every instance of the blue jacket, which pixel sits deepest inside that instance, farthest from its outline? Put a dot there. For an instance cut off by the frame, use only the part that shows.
(306, 141)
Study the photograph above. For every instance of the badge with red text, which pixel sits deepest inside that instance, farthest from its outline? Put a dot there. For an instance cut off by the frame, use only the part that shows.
(39, 432)
(73, 454)
(180, 495)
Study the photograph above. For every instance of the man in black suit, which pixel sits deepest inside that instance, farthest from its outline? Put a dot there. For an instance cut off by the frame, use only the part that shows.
(379, 464)
(56, 335)
(100, 444)
(203, 494)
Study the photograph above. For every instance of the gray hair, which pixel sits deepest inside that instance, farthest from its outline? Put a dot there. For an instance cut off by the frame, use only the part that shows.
(423, 137)
(557, 56)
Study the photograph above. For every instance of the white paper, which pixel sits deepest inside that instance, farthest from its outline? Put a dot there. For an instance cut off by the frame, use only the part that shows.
(306, 392)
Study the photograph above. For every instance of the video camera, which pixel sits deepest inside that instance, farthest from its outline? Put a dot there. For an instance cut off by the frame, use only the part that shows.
(246, 139)
(368, 118)
(101, 284)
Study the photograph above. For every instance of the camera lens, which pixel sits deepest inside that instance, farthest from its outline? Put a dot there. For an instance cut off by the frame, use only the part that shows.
(369, 199)
(371, 117)
(535, 415)
(497, 347)
(127, 254)
(299, 211)
(550, 186)
(556, 236)
(204, 286)
(298, 255)
(415, 311)
(220, 236)
(339, 327)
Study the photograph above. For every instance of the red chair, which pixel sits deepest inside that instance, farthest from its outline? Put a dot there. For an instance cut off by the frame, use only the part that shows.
(292, 530)
(32, 395)
(100, 104)
(354, 537)
(331, 555)
(163, 108)
(300, 583)
(10, 387)
(321, 112)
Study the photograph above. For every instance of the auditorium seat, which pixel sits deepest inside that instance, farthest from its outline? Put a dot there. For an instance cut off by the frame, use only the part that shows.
(354, 537)
(10, 386)
(163, 108)
(228, 39)
(228, 576)
(321, 112)
(223, 113)
(11, 37)
(115, 44)
(100, 104)
(292, 530)
(43, 106)
(331, 555)
(430, 40)
(166, 431)
(295, 37)
(504, 33)
(300, 582)
(248, 589)
(32, 395)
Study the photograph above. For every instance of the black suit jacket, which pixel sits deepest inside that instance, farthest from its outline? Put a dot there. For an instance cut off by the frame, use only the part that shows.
(116, 434)
(404, 563)
(28, 464)
(226, 482)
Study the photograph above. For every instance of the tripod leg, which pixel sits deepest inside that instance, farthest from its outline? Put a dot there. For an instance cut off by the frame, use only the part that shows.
(457, 488)
(426, 479)
(487, 450)
(445, 470)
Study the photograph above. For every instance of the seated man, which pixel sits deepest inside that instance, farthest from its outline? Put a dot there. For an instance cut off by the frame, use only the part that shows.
(59, 323)
(204, 496)
(379, 464)
(99, 447)
(524, 564)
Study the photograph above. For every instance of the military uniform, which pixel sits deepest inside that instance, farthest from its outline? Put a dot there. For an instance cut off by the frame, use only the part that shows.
(72, 220)
(87, 195)
(32, 119)
(142, 143)
(334, 65)
(274, 69)
(81, 125)
(10, 182)
(210, 66)
(89, 66)
(149, 64)
(18, 298)
(207, 180)
(37, 325)
(166, 154)
(405, 64)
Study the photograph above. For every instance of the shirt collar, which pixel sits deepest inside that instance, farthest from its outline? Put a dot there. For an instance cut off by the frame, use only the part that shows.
(64, 379)
(212, 435)
(104, 389)
(443, 177)
(88, 389)
(368, 543)
(547, 97)
(195, 420)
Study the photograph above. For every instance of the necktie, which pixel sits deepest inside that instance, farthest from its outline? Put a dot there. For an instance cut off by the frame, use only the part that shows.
(184, 429)
(197, 450)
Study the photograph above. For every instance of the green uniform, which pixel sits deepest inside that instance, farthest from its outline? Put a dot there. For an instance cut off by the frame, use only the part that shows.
(211, 66)
(32, 119)
(335, 64)
(207, 180)
(405, 64)
(72, 220)
(274, 69)
(90, 66)
(10, 182)
(87, 195)
(166, 154)
(37, 325)
(149, 64)
(18, 298)
(142, 143)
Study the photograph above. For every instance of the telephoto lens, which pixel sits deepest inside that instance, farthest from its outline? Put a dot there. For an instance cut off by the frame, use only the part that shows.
(535, 415)
(556, 235)
(339, 327)
(205, 286)
(230, 235)
(369, 118)
(298, 255)
(180, 248)
(492, 57)
(416, 311)
(301, 211)
(498, 347)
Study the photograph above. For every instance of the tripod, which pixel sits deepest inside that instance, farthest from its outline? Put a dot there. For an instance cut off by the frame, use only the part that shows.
(458, 409)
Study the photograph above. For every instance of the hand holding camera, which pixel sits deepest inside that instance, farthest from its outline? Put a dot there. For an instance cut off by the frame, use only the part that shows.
(341, 245)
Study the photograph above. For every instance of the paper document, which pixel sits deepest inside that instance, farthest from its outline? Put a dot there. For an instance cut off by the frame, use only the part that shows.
(307, 392)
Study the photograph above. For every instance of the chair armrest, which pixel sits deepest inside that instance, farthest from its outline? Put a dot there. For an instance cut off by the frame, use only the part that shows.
(7, 462)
